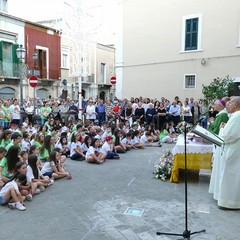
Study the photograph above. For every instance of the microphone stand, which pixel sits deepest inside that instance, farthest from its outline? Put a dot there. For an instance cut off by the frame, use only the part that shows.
(186, 233)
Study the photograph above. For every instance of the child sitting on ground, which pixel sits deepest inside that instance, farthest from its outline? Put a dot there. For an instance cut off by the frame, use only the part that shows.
(53, 169)
(127, 140)
(136, 140)
(93, 154)
(165, 135)
(108, 149)
(11, 191)
(35, 176)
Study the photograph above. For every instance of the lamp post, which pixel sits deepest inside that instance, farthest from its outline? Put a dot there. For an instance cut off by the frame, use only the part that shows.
(35, 58)
(21, 53)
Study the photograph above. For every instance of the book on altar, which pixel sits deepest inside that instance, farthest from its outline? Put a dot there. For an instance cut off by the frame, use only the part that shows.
(211, 137)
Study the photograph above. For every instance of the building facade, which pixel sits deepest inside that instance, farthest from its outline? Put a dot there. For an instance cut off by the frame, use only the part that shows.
(94, 64)
(41, 40)
(171, 48)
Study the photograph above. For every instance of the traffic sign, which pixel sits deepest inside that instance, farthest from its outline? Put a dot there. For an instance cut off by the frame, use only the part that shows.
(33, 81)
(113, 80)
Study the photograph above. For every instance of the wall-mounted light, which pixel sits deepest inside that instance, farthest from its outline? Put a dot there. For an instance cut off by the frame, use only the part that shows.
(203, 61)
(35, 55)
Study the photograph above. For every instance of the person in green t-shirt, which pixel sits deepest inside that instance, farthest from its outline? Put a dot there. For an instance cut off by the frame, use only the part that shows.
(45, 110)
(3, 153)
(46, 148)
(39, 139)
(5, 138)
(2, 114)
(16, 141)
(8, 163)
(8, 114)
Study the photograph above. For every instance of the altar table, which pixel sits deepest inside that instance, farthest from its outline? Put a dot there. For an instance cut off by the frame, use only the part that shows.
(199, 156)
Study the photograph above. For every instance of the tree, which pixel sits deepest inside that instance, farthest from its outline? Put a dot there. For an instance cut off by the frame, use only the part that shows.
(217, 89)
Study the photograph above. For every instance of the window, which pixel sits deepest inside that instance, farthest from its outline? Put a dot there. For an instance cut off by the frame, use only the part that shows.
(190, 82)
(8, 59)
(3, 6)
(64, 60)
(191, 33)
(102, 73)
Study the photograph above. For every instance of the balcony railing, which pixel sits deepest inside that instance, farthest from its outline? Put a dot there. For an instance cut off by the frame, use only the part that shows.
(12, 70)
(9, 70)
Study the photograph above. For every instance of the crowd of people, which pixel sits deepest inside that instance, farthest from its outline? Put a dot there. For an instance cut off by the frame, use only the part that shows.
(33, 149)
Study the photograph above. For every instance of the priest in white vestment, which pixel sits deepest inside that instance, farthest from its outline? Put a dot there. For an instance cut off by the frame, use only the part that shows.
(229, 191)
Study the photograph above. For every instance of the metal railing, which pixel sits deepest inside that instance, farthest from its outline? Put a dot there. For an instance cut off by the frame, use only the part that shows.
(11, 70)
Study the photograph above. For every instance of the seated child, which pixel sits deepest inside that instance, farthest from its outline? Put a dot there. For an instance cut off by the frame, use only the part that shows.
(127, 140)
(11, 191)
(93, 154)
(108, 149)
(52, 168)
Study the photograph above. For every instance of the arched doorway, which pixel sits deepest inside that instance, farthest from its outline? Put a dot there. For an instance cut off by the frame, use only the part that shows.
(42, 93)
(102, 95)
(7, 93)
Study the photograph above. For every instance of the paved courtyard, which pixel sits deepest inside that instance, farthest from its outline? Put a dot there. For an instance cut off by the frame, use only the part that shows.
(92, 205)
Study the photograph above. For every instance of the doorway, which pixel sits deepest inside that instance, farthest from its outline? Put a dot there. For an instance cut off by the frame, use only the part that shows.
(102, 95)
(7, 93)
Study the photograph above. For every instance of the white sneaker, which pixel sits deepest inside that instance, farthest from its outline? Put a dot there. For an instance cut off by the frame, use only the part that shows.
(29, 197)
(12, 205)
(37, 191)
(51, 182)
(41, 188)
(20, 207)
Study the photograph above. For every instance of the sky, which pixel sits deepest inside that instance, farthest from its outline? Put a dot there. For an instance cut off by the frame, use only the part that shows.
(103, 14)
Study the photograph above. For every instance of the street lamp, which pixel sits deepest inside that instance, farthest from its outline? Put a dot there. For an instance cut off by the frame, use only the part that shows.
(35, 58)
(21, 53)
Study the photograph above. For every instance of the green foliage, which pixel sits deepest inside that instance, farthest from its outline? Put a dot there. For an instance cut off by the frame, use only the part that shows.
(217, 89)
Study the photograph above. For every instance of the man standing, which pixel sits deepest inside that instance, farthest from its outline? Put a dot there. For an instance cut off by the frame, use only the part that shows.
(101, 112)
(73, 112)
(175, 111)
(229, 192)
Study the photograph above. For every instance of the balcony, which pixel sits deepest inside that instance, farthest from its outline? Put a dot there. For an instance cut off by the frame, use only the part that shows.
(9, 70)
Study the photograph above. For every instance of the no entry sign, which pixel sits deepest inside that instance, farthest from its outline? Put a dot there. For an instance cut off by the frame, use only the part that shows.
(113, 80)
(33, 81)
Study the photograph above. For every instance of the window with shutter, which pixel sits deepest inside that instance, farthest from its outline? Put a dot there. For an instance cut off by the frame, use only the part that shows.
(14, 53)
(191, 34)
(1, 51)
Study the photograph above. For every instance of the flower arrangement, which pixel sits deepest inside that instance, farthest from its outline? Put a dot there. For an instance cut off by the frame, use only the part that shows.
(163, 168)
(181, 125)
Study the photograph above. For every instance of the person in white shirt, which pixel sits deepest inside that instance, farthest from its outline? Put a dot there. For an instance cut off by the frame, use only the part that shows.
(136, 140)
(94, 155)
(26, 144)
(30, 129)
(53, 168)
(86, 144)
(15, 109)
(11, 191)
(127, 141)
(108, 149)
(175, 112)
(187, 114)
(34, 175)
(91, 111)
(75, 148)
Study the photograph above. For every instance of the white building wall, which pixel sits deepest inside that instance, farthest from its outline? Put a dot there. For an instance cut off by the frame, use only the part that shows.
(12, 26)
(154, 63)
